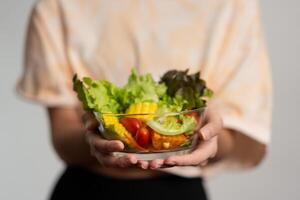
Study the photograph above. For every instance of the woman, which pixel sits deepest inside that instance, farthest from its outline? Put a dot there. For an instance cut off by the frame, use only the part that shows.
(104, 39)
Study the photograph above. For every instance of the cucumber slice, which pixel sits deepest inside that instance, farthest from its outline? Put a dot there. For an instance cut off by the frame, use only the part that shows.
(170, 126)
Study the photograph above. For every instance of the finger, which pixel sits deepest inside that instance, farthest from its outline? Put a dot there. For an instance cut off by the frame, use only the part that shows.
(213, 127)
(157, 163)
(113, 161)
(204, 163)
(143, 164)
(89, 121)
(102, 145)
(127, 161)
(200, 154)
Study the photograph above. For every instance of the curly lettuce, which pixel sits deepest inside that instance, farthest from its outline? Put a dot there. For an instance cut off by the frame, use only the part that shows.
(141, 89)
(97, 95)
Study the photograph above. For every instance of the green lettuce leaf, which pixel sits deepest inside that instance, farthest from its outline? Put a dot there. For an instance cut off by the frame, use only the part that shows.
(99, 95)
(141, 89)
(171, 104)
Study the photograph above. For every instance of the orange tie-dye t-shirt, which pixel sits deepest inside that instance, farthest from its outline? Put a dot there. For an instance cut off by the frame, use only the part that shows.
(105, 39)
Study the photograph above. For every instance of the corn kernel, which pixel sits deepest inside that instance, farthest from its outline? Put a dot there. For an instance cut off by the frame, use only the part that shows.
(139, 107)
(143, 108)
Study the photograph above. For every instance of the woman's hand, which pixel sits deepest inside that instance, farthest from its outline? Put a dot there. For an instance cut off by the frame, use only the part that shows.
(206, 148)
(102, 149)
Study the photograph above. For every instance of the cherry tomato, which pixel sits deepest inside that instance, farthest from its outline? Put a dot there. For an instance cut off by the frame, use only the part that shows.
(131, 124)
(143, 137)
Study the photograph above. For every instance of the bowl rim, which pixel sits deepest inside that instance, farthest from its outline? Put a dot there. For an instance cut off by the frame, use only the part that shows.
(202, 109)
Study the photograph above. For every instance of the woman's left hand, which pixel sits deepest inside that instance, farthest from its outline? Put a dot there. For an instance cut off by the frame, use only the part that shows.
(206, 148)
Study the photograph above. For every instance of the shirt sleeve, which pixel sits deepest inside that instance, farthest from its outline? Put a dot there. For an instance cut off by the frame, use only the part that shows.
(47, 75)
(238, 70)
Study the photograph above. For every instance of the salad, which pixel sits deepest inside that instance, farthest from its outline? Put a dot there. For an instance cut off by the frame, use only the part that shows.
(147, 116)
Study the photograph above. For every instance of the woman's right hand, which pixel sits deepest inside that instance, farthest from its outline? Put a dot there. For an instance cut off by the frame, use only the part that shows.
(102, 149)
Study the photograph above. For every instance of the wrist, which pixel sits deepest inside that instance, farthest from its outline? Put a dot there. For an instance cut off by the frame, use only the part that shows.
(226, 143)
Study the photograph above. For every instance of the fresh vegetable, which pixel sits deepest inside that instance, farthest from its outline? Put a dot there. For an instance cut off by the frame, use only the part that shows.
(141, 89)
(142, 108)
(143, 137)
(100, 96)
(191, 88)
(131, 124)
(167, 142)
(177, 91)
(104, 97)
(155, 112)
(146, 108)
(112, 124)
(169, 125)
(170, 104)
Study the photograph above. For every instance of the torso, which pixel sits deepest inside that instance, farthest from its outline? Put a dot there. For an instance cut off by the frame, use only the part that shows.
(108, 38)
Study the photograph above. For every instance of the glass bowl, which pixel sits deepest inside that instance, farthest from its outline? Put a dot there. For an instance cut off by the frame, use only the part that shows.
(152, 135)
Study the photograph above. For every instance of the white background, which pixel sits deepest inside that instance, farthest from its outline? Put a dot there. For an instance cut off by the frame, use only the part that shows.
(29, 168)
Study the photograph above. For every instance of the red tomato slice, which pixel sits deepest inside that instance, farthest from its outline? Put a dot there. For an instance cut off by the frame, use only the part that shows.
(131, 124)
(143, 137)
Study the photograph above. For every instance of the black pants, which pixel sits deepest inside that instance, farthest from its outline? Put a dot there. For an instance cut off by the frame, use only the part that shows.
(78, 183)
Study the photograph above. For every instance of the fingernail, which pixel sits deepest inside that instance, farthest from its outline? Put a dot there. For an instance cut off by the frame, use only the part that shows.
(141, 165)
(116, 146)
(205, 132)
(133, 160)
(144, 167)
(120, 145)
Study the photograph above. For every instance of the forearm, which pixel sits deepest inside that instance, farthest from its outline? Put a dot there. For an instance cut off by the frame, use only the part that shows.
(226, 144)
(72, 148)
(68, 138)
(239, 147)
